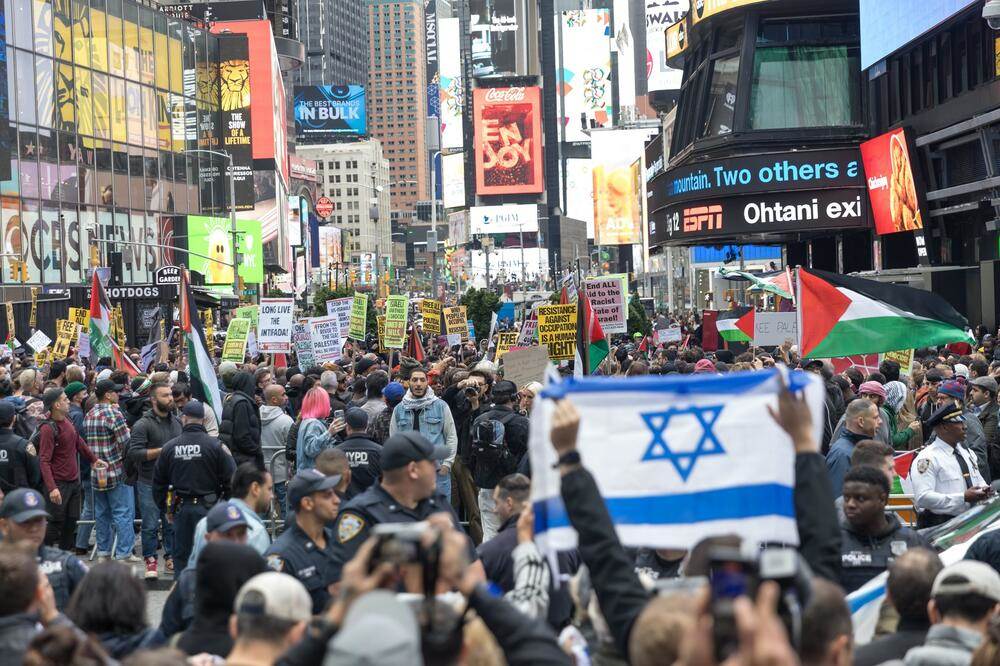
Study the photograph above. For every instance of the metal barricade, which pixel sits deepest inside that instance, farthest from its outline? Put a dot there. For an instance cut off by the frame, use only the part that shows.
(902, 505)
(274, 519)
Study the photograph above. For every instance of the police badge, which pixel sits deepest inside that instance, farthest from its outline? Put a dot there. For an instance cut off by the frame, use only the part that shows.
(923, 464)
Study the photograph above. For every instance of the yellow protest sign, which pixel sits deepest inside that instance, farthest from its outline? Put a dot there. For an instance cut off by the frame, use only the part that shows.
(456, 321)
(34, 307)
(431, 312)
(505, 340)
(80, 315)
(557, 330)
(904, 357)
(380, 326)
(61, 347)
(10, 321)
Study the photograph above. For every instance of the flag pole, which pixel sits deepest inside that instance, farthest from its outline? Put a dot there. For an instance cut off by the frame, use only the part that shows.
(798, 309)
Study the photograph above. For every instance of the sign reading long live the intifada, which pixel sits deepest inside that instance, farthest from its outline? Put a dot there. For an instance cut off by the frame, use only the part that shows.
(274, 325)
(557, 330)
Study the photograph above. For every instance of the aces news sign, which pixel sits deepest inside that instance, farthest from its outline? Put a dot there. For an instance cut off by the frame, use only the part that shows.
(508, 140)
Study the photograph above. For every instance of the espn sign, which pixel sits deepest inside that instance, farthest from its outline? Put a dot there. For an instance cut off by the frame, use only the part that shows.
(702, 218)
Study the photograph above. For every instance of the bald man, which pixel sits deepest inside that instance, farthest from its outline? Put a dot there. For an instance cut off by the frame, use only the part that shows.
(274, 425)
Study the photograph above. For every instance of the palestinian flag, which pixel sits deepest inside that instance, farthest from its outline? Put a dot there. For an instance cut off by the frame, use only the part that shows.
(902, 462)
(100, 320)
(204, 386)
(736, 325)
(590, 335)
(414, 348)
(842, 315)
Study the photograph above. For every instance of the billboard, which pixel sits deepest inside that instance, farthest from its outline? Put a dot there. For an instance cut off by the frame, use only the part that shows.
(508, 140)
(585, 71)
(887, 26)
(895, 194)
(234, 98)
(494, 26)
(323, 113)
(211, 237)
(453, 180)
(330, 246)
(509, 218)
(615, 156)
(431, 54)
(451, 88)
(580, 192)
(660, 15)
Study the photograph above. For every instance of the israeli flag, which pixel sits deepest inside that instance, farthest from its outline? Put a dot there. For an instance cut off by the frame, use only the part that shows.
(677, 458)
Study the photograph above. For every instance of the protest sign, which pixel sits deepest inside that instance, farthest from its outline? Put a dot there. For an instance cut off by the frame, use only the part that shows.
(341, 309)
(66, 328)
(904, 357)
(671, 333)
(302, 343)
(380, 330)
(83, 346)
(395, 321)
(771, 329)
(607, 298)
(274, 328)
(234, 348)
(359, 317)
(247, 312)
(529, 330)
(34, 308)
(526, 365)
(453, 339)
(472, 330)
(506, 340)
(557, 330)
(39, 341)
(80, 315)
(324, 333)
(10, 320)
(252, 349)
(455, 322)
(431, 311)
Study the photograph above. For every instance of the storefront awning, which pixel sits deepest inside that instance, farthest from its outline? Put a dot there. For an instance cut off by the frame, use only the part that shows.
(213, 298)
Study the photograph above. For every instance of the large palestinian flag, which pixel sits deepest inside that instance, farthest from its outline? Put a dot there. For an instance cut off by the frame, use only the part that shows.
(100, 320)
(842, 315)
(204, 385)
(736, 325)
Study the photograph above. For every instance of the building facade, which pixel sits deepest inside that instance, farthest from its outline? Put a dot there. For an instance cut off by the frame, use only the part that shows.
(397, 96)
(335, 40)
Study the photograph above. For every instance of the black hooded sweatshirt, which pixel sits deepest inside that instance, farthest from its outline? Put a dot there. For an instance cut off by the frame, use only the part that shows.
(240, 426)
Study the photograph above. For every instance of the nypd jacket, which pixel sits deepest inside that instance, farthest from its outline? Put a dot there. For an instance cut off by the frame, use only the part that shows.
(865, 556)
(194, 464)
(18, 467)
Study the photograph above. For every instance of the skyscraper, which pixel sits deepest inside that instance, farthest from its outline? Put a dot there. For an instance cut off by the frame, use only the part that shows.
(336, 41)
(397, 96)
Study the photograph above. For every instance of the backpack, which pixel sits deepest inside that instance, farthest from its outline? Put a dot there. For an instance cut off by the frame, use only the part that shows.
(491, 456)
(291, 445)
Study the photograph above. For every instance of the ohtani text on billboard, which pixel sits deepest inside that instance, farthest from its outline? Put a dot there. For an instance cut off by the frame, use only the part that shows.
(508, 132)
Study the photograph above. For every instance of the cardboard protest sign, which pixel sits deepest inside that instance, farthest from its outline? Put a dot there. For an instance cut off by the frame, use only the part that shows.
(235, 346)
(341, 309)
(274, 328)
(359, 317)
(302, 342)
(505, 340)
(771, 329)
(671, 333)
(557, 330)
(39, 341)
(431, 311)
(395, 321)
(380, 330)
(904, 357)
(529, 331)
(456, 322)
(10, 321)
(607, 298)
(80, 315)
(324, 333)
(526, 365)
(34, 308)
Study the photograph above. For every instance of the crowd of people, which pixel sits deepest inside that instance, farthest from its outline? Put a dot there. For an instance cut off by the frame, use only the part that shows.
(378, 510)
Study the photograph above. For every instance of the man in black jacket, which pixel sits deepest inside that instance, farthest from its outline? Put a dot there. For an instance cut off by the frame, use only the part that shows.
(240, 426)
(18, 464)
(157, 426)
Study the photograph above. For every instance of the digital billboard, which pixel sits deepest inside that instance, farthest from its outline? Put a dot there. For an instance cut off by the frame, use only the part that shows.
(234, 85)
(660, 15)
(895, 194)
(508, 140)
(505, 219)
(326, 112)
(451, 88)
(453, 180)
(330, 246)
(211, 238)
(887, 26)
(580, 192)
(494, 26)
(617, 186)
(585, 71)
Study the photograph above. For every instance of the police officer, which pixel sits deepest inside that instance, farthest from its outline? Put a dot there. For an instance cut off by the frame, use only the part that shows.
(18, 460)
(198, 469)
(363, 454)
(407, 494)
(946, 478)
(305, 549)
(23, 519)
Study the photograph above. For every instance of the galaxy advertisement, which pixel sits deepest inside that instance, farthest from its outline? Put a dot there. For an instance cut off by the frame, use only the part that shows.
(323, 113)
(508, 140)
(893, 190)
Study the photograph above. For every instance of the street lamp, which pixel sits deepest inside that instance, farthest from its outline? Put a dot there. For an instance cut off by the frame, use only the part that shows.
(232, 210)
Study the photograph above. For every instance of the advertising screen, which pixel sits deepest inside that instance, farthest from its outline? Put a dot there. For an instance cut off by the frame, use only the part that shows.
(494, 27)
(453, 180)
(509, 218)
(508, 136)
(660, 15)
(450, 83)
(325, 112)
(585, 71)
(234, 84)
(895, 194)
(211, 237)
(330, 247)
(617, 186)
(887, 26)
(580, 192)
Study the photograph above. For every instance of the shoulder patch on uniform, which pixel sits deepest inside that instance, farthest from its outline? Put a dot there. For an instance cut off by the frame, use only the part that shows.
(276, 563)
(923, 464)
(349, 526)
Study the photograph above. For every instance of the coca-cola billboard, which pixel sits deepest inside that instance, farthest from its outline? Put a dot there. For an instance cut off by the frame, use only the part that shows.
(508, 135)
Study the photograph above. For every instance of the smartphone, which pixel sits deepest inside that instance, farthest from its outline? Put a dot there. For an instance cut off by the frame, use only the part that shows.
(729, 578)
(339, 414)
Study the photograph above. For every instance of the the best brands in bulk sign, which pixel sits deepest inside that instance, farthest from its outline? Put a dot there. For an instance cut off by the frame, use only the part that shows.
(766, 193)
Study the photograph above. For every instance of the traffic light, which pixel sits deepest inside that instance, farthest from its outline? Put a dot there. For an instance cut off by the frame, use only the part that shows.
(18, 270)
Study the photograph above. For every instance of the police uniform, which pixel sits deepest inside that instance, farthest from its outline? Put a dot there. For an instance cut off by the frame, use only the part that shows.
(376, 505)
(296, 554)
(941, 474)
(199, 470)
(64, 569)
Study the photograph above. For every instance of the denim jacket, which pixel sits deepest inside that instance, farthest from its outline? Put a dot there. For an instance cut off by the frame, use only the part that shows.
(436, 424)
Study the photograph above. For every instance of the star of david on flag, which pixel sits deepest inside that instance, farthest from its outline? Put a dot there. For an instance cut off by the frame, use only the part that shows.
(677, 458)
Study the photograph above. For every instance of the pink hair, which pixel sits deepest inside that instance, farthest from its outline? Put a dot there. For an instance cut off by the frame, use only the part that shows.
(316, 404)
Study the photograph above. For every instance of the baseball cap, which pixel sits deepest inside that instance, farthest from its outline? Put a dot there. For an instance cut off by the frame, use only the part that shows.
(22, 505)
(73, 388)
(274, 595)
(987, 382)
(410, 446)
(378, 629)
(194, 408)
(50, 397)
(103, 387)
(961, 370)
(967, 577)
(307, 482)
(946, 414)
(393, 392)
(104, 374)
(357, 419)
(812, 363)
(223, 517)
(504, 390)
(872, 388)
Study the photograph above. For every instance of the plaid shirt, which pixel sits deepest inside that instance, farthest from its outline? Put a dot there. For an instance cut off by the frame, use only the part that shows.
(107, 435)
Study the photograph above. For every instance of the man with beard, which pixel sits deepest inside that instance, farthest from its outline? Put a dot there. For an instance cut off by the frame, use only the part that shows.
(427, 414)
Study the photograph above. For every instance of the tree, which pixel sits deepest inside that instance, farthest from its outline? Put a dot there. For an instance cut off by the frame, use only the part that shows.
(638, 322)
(481, 304)
(324, 294)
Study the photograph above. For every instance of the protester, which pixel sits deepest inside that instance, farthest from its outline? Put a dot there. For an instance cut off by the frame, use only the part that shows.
(239, 428)
(269, 617)
(27, 604)
(379, 426)
(313, 434)
(423, 412)
(861, 422)
(274, 426)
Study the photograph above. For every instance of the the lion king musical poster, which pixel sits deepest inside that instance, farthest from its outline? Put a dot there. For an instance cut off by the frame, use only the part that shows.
(234, 98)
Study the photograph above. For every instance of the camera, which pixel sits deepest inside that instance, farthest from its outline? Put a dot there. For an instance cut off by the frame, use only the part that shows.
(991, 13)
(471, 391)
